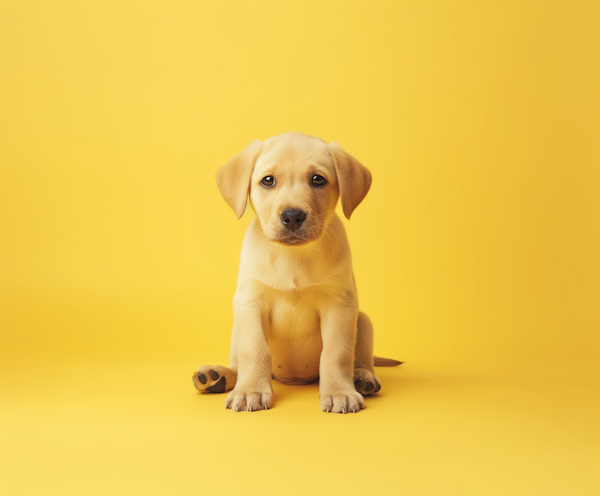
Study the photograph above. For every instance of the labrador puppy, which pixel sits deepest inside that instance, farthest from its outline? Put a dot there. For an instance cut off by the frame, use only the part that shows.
(295, 310)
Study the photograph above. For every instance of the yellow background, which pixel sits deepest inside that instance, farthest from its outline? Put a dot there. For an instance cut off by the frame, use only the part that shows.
(476, 252)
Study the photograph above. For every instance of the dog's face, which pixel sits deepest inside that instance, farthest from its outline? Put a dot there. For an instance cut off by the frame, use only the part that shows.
(294, 189)
(294, 181)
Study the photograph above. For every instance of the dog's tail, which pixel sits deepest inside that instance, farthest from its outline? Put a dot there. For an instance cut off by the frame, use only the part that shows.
(385, 362)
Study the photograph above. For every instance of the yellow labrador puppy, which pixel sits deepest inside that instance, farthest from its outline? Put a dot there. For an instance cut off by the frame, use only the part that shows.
(296, 316)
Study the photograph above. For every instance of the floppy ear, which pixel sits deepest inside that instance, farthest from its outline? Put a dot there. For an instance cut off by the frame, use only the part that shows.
(354, 179)
(233, 178)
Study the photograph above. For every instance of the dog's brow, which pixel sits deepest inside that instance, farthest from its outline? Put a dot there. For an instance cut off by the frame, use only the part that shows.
(267, 169)
(321, 170)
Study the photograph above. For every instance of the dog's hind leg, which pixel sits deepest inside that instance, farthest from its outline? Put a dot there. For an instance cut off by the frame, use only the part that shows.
(365, 380)
(214, 379)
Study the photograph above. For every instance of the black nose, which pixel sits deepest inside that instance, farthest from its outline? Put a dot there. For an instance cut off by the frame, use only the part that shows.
(293, 219)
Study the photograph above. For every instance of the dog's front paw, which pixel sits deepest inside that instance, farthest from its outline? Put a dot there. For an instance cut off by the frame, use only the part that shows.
(345, 402)
(366, 382)
(250, 398)
(214, 379)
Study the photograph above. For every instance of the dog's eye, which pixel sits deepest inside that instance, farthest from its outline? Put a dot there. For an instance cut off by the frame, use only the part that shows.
(318, 180)
(268, 181)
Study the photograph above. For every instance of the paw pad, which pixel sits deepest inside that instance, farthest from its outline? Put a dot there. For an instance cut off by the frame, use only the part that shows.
(219, 387)
(366, 382)
(214, 379)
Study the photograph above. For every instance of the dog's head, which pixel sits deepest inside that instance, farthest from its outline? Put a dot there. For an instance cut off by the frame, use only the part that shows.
(294, 182)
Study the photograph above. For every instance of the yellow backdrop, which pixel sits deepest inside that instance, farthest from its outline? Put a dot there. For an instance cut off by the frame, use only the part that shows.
(476, 252)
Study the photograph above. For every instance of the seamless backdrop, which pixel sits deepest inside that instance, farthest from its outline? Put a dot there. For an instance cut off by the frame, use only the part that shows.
(476, 252)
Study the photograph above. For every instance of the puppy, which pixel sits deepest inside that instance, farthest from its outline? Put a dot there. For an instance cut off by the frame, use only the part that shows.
(295, 310)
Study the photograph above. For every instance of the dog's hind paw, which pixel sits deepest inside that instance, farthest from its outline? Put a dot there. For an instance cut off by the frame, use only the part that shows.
(214, 379)
(366, 382)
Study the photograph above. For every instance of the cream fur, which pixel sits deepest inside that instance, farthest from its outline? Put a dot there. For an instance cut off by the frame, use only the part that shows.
(296, 315)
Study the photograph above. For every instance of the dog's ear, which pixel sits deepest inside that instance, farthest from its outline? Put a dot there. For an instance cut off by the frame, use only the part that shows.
(233, 178)
(354, 179)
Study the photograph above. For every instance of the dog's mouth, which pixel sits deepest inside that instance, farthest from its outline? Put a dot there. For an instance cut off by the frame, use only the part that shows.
(305, 234)
(292, 240)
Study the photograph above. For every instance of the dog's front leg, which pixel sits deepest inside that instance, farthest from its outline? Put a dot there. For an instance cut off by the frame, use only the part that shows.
(336, 368)
(253, 390)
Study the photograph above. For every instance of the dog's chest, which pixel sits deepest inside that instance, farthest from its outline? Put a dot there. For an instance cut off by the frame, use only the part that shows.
(294, 312)
(294, 336)
(293, 281)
